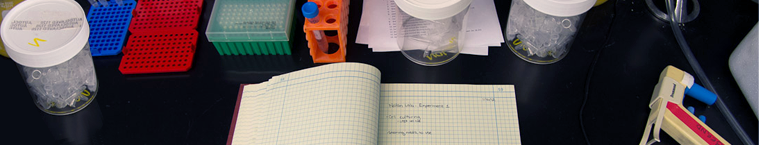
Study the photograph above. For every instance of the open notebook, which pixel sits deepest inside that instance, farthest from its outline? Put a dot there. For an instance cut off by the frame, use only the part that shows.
(345, 103)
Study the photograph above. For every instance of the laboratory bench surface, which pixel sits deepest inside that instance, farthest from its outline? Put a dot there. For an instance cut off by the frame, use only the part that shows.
(610, 71)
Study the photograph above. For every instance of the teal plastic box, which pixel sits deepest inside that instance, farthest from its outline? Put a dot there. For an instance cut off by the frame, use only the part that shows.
(251, 27)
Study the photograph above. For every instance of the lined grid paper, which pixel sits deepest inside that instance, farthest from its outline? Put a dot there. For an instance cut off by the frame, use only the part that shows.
(448, 114)
(247, 122)
(346, 104)
(331, 104)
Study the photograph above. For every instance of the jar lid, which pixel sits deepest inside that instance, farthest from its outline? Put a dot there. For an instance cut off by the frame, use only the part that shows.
(433, 9)
(561, 8)
(44, 33)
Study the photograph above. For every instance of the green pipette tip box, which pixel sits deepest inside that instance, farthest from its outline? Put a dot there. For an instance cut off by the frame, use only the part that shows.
(251, 27)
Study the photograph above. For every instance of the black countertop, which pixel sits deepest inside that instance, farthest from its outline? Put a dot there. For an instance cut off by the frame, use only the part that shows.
(613, 64)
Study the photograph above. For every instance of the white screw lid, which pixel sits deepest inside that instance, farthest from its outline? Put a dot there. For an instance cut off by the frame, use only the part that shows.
(433, 9)
(44, 33)
(561, 8)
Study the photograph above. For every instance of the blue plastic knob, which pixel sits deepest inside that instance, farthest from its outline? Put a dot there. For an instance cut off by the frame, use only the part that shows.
(700, 93)
(703, 118)
(691, 109)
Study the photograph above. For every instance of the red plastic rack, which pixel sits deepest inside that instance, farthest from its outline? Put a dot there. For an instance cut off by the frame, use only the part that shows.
(163, 37)
(180, 15)
(150, 4)
(159, 52)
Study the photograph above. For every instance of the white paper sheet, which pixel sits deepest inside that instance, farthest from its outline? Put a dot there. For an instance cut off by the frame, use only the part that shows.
(363, 27)
(376, 28)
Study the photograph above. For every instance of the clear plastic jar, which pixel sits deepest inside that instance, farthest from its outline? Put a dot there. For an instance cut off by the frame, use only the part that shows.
(64, 88)
(48, 41)
(430, 31)
(540, 31)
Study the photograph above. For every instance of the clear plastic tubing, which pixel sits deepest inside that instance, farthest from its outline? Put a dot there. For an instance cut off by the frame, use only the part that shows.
(310, 10)
(702, 77)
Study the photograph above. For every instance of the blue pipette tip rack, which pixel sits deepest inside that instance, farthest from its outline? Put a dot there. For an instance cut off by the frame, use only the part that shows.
(109, 26)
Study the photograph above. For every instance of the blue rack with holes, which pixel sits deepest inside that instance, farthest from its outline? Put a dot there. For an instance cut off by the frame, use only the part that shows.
(109, 26)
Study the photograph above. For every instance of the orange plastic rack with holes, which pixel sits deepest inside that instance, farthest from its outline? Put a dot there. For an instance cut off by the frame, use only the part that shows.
(333, 16)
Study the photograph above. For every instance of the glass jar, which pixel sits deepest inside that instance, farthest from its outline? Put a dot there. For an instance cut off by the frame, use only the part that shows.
(48, 41)
(540, 31)
(429, 31)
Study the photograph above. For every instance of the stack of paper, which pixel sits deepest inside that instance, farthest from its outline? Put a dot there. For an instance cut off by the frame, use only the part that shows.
(377, 27)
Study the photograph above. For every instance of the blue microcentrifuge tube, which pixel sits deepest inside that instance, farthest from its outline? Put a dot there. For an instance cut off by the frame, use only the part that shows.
(103, 2)
(93, 3)
(311, 11)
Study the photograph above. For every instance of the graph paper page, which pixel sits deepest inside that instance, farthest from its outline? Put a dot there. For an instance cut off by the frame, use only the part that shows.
(448, 114)
(329, 104)
(247, 125)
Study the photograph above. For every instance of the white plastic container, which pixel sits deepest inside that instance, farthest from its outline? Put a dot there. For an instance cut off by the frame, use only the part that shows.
(430, 30)
(743, 64)
(541, 31)
(48, 41)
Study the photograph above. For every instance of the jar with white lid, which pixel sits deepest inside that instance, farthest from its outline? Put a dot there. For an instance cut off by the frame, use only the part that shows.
(48, 40)
(430, 32)
(541, 31)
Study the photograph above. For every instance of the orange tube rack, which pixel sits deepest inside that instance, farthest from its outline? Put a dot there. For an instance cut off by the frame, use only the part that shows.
(333, 16)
